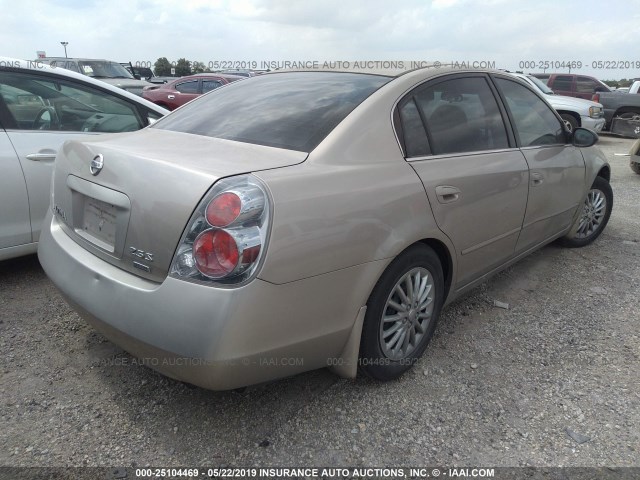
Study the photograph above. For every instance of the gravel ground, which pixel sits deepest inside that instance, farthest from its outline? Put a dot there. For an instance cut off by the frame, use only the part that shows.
(552, 381)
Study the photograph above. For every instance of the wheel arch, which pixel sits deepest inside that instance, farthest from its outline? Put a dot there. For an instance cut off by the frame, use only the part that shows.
(605, 172)
(622, 110)
(446, 261)
(573, 114)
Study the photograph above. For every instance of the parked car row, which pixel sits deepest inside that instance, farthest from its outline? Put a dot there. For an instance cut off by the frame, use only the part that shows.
(286, 217)
(621, 111)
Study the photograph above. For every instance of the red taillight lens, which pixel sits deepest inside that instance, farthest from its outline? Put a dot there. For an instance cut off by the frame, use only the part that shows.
(596, 98)
(216, 253)
(225, 239)
(223, 209)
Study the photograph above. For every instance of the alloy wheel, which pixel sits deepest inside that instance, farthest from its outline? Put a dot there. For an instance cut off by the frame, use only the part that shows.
(593, 212)
(407, 314)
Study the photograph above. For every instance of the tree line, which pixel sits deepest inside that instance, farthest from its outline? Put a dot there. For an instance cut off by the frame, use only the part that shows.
(619, 83)
(162, 67)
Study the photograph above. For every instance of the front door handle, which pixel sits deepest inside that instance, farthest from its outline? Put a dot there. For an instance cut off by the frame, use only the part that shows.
(171, 97)
(536, 178)
(447, 193)
(41, 157)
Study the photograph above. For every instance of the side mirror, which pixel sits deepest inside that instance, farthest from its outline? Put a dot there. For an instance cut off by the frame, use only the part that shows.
(583, 137)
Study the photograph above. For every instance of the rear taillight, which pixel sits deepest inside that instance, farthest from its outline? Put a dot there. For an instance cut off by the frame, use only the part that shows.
(226, 236)
(596, 97)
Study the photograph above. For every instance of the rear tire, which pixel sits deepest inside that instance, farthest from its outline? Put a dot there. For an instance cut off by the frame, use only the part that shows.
(635, 167)
(595, 214)
(402, 313)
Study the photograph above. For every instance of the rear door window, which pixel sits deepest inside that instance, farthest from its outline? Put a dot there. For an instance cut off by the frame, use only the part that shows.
(586, 85)
(563, 83)
(208, 85)
(461, 115)
(188, 87)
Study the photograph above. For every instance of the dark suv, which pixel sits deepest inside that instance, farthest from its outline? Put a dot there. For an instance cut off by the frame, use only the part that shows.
(580, 86)
(105, 70)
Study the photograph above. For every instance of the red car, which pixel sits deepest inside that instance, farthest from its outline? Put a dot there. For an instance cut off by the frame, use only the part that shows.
(184, 89)
(570, 85)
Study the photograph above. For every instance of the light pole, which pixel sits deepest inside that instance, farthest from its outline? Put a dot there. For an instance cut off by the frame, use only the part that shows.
(64, 44)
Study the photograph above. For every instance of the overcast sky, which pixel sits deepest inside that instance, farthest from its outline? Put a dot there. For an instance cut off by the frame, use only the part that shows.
(500, 31)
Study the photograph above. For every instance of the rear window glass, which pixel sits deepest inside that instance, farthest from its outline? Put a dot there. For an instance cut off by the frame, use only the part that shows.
(295, 111)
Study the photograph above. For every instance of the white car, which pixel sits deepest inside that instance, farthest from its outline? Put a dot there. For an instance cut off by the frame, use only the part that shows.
(576, 112)
(40, 108)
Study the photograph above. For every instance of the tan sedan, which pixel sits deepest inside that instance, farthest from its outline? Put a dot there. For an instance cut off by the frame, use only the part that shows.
(299, 220)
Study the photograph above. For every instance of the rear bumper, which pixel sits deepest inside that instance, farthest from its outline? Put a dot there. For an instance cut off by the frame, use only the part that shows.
(212, 337)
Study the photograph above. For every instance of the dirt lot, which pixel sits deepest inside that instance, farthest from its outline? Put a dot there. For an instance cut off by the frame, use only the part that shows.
(552, 381)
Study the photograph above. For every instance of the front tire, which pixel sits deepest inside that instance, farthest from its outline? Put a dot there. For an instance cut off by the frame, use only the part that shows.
(402, 313)
(595, 214)
(570, 121)
(635, 167)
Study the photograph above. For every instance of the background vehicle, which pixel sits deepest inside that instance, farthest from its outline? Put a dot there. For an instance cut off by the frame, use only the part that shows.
(242, 72)
(41, 108)
(633, 88)
(178, 92)
(623, 106)
(286, 217)
(110, 72)
(576, 112)
(581, 86)
(143, 73)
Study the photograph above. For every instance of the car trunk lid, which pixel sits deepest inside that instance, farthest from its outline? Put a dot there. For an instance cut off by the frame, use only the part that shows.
(134, 209)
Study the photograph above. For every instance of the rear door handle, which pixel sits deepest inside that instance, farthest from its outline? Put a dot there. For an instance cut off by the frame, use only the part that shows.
(171, 97)
(536, 178)
(447, 193)
(41, 157)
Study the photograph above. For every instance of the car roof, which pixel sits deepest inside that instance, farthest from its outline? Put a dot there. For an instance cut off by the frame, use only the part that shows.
(431, 70)
(36, 66)
(78, 59)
